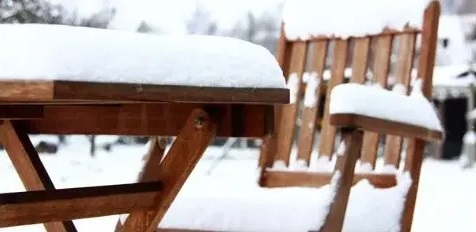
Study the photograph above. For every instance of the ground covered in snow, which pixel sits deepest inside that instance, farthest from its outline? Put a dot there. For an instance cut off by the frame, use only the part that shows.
(446, 201)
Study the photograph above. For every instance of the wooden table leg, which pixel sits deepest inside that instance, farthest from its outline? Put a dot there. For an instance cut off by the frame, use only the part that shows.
(28, 165)
(150, 170)
(187, 149)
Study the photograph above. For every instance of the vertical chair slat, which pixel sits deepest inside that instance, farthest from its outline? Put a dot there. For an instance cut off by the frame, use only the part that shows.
(381, 68)
(326, 146)
(360, 59)
(288, 112)
(406, 48)
(269, 146)
(308, 125)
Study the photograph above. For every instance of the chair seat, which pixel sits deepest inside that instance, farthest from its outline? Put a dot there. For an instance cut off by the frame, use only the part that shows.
(221, 206)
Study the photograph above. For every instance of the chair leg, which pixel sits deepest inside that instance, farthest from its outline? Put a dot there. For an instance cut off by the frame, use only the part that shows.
(345, 169)
(187, 149)
(413, 163)
(28, 165)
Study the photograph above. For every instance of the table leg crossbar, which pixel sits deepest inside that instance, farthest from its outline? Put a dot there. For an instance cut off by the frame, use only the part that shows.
(146, 201)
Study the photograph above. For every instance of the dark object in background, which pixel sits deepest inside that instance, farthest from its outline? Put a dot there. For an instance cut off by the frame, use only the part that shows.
(454, 121)
(46, 147)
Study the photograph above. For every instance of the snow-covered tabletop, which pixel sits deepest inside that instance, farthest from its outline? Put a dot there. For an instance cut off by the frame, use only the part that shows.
(310, 18)
(58, 52)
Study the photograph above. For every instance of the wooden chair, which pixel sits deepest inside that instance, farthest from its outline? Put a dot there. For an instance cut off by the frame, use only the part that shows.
(293, 56)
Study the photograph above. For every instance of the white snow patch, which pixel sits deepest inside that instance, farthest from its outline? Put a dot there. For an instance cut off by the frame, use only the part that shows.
(375, 210)
(224, 207)
(469, 137)
(415, 109)
(310, 97)
(57, 52)
(389, 169)
(399, 88)
(301, 165)
(364, 168)
(293, 86)
(279, 165)
(341, 148)
(307, 18)
(323, 164)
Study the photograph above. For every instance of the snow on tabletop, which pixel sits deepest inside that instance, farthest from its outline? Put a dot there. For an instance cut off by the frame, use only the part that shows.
(58, 52)
(377, 102)
(344, 18)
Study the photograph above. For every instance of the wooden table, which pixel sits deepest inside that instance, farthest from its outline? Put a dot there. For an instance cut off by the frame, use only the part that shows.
(196, 115)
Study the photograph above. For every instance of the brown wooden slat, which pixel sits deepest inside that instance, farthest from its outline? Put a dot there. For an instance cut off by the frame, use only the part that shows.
(406, 51)
(143, 119)
(326, 146)
(33, 207)
(414, 153)
(385, 31)
(187, 149)
(381, 69)
(360, 59)
(381, 126)
(27, 91)
(278, 179)
(269, 144)
(28, 165)
(288, 112)
(309, 114)
(15, 112)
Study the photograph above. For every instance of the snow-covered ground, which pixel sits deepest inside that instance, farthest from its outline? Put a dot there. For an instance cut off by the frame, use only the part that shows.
(446, 200)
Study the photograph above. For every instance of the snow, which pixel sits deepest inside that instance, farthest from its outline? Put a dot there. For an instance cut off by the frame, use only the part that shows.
(414, 109)
(225, 207)
(293, 86)
(310, 98)
(444, 197)
(399, 88)
(446, 76)
(363, 168)
(469, 137)
(341, 148)
(55, 52)
(357, 18)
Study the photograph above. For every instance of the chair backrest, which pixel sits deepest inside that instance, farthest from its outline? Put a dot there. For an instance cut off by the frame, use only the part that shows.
(390, 57)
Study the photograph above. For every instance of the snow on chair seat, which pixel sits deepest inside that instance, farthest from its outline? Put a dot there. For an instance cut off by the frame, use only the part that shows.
(217, 206)
(385, 111)
(66, 55)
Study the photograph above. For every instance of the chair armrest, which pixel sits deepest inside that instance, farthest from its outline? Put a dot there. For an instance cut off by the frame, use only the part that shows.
(383, 126)
(376, 109)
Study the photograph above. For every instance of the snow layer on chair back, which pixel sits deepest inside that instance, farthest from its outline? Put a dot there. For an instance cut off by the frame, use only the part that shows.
(56, 52)
(344, 18)
(377, 102)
